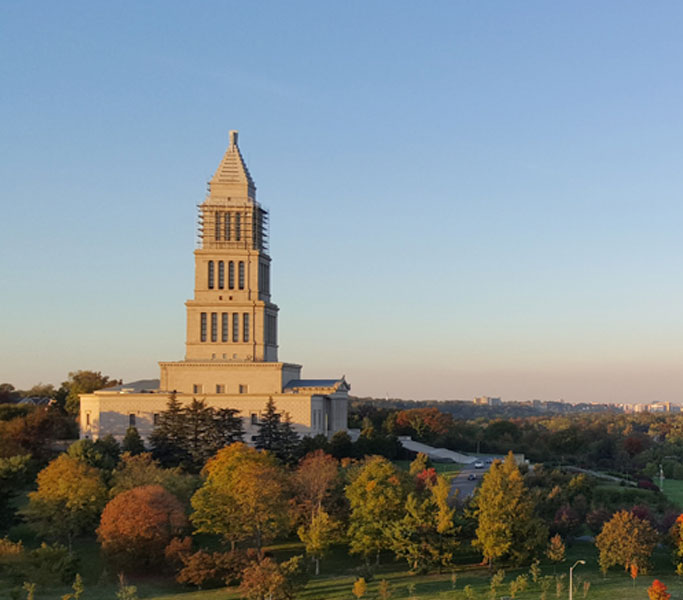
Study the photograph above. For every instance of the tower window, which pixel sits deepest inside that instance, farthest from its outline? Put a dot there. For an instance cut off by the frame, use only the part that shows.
(235, 327)
(202, 328)
(221, 274)
(227, 226)
(211, 269)
(217, 227)
(241, 274)
(245, 326)
(231, 275)
(238, 227)
(224, 328)
(214, 327)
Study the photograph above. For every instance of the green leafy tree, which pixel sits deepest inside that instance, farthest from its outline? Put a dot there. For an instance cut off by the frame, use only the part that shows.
(243, 496)
(68, 500)
(426, 536)
(318, 536)
(141, 469)
(13, 475)
(132, 442)
(125, 591)
(506, 523)
(626, 540)
(102, 454)
(84, 382)
(376, 496)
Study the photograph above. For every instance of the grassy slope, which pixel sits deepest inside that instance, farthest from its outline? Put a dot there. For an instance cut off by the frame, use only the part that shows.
(673, 489)
(339, 572)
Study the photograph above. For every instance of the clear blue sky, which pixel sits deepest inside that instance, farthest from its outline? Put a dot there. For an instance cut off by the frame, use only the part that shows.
(466, 197)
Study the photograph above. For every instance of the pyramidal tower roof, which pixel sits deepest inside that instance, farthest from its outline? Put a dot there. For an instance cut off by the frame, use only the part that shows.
(232, 176)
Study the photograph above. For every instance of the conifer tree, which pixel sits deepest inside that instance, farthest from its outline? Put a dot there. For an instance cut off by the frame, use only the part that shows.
(228, 428)
(132, 442)
(268, 435)
(168, 437)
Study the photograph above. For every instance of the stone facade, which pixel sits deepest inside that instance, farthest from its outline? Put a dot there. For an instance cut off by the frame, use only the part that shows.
(231, 343)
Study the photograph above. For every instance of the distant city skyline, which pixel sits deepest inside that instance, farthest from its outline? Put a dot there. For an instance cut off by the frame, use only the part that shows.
(466, 199)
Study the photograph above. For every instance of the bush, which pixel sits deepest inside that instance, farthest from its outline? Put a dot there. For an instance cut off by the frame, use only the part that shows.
(206, 570)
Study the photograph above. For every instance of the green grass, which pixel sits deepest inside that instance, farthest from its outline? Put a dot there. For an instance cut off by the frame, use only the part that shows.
(339, 571)
(673, 490)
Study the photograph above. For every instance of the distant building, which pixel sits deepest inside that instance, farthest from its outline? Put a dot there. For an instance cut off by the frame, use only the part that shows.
(231, 345)
(487, 401)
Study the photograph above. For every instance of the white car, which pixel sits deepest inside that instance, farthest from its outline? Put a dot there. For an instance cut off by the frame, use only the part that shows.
(478, 464)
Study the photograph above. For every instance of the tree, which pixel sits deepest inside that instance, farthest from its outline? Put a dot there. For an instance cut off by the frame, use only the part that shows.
(556, 549)
(68, 500)
(84, 382)
(289, 442)
(626, 540)
(228, 428)
(102, 454)
(658, 591)
(359, 588)
(341, 445)
(424, 421)
(132, 442)
(199, 440)
(318, 536)
(137, 525)
(266, 580)
(125, 591)
(13, 472)
(268, 435)
(142, 469)
(313, 479)
(376, 495)
(506, 525)
(426, 535)
(77, 588)
(168, 438)
(243, 496)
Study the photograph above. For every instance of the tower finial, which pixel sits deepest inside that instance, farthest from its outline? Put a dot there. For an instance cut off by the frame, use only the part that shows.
(233, 138)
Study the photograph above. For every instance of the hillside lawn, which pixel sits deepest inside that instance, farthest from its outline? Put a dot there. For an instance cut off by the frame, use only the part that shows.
(673, 489)
(339, 571)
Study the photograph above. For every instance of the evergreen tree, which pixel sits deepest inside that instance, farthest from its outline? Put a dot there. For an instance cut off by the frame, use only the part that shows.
(289, 442)
(228, 428)
(200, 432)
(132, 442)
(169, 436)
(268, 436)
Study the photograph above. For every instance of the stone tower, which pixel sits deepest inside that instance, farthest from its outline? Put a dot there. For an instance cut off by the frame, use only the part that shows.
(231, 316)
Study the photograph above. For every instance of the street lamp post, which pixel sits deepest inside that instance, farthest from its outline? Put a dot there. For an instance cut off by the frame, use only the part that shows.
(571, 573)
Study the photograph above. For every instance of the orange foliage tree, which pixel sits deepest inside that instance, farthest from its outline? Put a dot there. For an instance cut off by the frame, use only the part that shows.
(657, 591)
(314, 478)
(424, 420)
(137, 525)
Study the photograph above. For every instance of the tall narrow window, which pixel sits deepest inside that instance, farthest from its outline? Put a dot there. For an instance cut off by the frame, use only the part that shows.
(224, 327)
(227, 226)
(221, 274)
(238, 227)
(231, 275)
(245, 327)
(235, 327)
(211, 269)
(202, 328)
(131, 420)
(214, 327)
(217, 227)
(241, 275)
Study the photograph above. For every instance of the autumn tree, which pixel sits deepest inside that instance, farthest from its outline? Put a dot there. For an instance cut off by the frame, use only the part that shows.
(268, 580)
(506, 524)
(426, 536)
(556, 549)
(658, 591)
(626, 540)
(376, 496)
(68, 500)
(424, 421)
(137, 525)
(243, 496)
(313, 480)
(84, 382)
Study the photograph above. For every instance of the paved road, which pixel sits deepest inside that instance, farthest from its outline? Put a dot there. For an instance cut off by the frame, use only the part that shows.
(463, 485)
